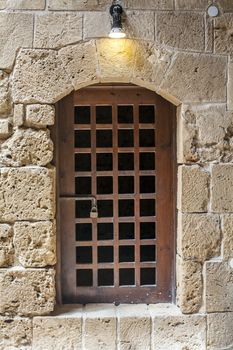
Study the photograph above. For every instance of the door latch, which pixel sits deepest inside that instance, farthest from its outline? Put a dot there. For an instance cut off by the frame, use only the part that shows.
(94, 209)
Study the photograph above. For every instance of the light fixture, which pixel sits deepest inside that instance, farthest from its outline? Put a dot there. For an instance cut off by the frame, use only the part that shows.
(116, 32)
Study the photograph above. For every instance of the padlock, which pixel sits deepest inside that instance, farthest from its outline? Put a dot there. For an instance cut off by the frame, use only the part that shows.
(94, 212)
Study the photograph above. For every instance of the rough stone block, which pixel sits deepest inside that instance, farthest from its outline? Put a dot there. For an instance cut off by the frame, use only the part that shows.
(54, 30)
(16, 30)
(230, 86)
(39, 116)
(96, 24)
(149, 4)
(22, 4)
(35, 243)
(219, 331)
(223, 29)
(18, 117)
(199, 236)
(27, 147)
(181, 30)
(16, 333)
(27, 194)
(227, 239)
(6, 245)
(27, 292)
(189, 285)
(196, 78)
(39, 77)
(193, 189)
(221, 188)
(218, 277)
(4, 128)
(80, 63)
(192, 4)
(5, 104)
(74, 5)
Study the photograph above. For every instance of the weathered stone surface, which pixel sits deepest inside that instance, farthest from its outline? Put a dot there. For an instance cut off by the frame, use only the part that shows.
(5, 104)
(192, 4)
(26, 194)
(100, 327)
(219, 330)
(16, 30)
(198, 236)
(60, 331)
(182, 30)
(55, 30)
(35, 243)
(193, 189)
(39, 77)
(96, 24)
(4, 128)
(230, 86)
(80, 63)
(218, 278)
(16, 333)
(27, 292)
(223, 32)
(221, 188)
(227, 240)
(18, 116)
(149, 4)
(6, 245)
(27, 147)
(39, 116)
(226, 5)
(22, 4)
(179, 332)
(196, 78)
(189, 285)
(74, 5)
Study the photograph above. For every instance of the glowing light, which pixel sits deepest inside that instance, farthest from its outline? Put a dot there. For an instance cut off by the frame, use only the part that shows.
(117, 33)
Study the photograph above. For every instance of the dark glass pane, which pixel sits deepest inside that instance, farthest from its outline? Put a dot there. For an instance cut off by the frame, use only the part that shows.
(104, 115)
(84, 278)
(105, 254)
(83, 255)
(125, 138)
(82, 138)
(125, 114)
(105, 231)
(82, 115)
(126, 161)
(105, 277)
(82, 209)
(127, 277)
(147, 184)
(126, 207)
(148, 276)
(147, 207)
(126, 230)
(146, 138)
(147, 161)
(105, 208)
(82, 162)
(125, 184)
(147, 230)
(83, 232)
(83, 185)
(104, 161)
(104, 138)
(146, 114)
(147, 253)
(126, 253)
(104, 185)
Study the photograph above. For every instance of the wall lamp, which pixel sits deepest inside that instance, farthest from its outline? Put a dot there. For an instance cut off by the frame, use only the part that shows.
(117, 31)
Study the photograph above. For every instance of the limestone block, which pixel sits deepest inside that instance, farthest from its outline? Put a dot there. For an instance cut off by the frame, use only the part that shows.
(188, 30)
(219, 330)
(27, 194)
(16, 30)
(198, 236)
(39, 116)
(227, 240)
(80, 63)
(16, 333)
(221, 188)
(35, 243)
(54, 30)
(149, 4)
(230, 86)
(28, 292)
(6, 245)
(189, 285)
(22, 4)
(5, 104)
(100, 327)
(4, 128)
(196, 78)
(96, 24)
(193, 189)
(218, 277)
(223, 29)
(134, 327)
(192, 4)
(27, 147)
(18, 117)
(39, 77)
(179, 332)
(74, 5)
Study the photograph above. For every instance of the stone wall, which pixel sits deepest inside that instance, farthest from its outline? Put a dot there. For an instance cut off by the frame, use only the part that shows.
(49, 48)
